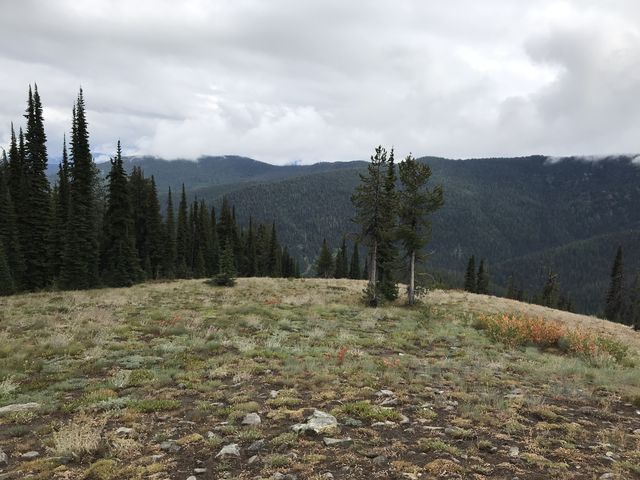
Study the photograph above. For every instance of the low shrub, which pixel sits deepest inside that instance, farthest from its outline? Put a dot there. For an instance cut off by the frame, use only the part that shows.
(520, 330)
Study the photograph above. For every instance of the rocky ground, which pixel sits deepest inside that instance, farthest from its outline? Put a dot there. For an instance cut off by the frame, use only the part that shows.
(285, 379)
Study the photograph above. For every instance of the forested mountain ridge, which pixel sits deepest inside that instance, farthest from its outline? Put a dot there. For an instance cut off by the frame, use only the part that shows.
(523, 215)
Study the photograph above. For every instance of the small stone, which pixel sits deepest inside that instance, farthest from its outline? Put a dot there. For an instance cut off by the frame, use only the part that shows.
(387, 423)
(385, 393)
(199, 471)
(607, 476)
(170, 446)
(157, 457)
(337, 442)
(257, 445)
(182, 386)
(4, 459)
(380, 460)
(30, 455)
(404, 419)
(253, 459)
(327, 475)
(514, 452)
(283, 476)
(636, 431)
(191, 477)
(273, 393)
(352, 422)
(19, 407)
(389, 402)
(229, 450)
(318, 422)
(252, 419)
(124, 431)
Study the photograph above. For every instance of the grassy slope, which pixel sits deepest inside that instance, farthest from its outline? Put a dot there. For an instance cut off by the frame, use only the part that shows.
(178, 360)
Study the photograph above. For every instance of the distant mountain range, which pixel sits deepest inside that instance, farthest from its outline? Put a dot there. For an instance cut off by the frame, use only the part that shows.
(523, 215)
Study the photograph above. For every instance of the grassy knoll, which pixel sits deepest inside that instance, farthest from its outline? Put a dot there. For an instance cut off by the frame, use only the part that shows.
(154, 381)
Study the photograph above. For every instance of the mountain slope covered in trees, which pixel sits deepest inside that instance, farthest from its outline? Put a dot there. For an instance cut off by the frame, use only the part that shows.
(523, 215)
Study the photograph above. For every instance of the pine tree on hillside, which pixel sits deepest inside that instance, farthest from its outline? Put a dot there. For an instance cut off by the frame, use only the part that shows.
(215, 243)
(388, 252)
(7, 286)
(226, 277)
(324, 265)
(182, 237)
(342, 262)
(16, 175)
(482, 280)
(169, 258)
(36, 206)
(8, 227)
(615, 297)
(274, 265)
(138, 194)
(80, 266)
(354, 265)
(470, 277)
(368, 204)
(119, 259)
(154, 238)
(60, 214)
(250, 251)
(551, 291)
(633, 309)
(417, 202)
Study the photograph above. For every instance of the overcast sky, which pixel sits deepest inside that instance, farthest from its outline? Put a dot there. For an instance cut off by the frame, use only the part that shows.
(303, 81)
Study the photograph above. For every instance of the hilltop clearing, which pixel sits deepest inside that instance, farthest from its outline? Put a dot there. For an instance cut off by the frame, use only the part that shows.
(179, 379)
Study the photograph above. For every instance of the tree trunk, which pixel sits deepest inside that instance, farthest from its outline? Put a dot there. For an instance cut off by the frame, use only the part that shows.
(373, 274)
(412, 280)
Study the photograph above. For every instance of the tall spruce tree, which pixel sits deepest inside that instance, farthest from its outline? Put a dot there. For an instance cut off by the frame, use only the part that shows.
(169, 259)
(61, 213)
(369, 205)
(482, 280)
(342, 262)
(274, 265)
(470, 276)
(154, 230)
(226, 277)
(551, 291)
(614, 306)
(8, 227)
(120, 266)
(324, 264)
(354, 265)
(80, 266)
(182, 237)
(251, 253)
(37, 207)
(417, 203)
(388, 251)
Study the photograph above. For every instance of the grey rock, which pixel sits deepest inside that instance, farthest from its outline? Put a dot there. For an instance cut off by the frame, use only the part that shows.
(124, 431)
(283, 476)
(19, 407)
(191, 477)
(352, 422)
(229, 450)
(607, 476)
(387, 423)
(30, 455)
(252, 419)
(199, 471)
(157, 457)
(636, 431)
(514, 452)
(380, 460)
(327, 475)
(170, 446)
(257, 445)
(318, 422)
(404, 419)
(337, 442)
(4, 459)
(389, 402)
(273, 393)
(253, 459)
(385, 393)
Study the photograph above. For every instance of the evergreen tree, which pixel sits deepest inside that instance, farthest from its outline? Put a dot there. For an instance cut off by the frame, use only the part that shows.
(182, 237)
(551, 291)
(368, 203)
(387, 251)
(169, 259)
(7, 286)
(615, 297)
(80, 266)
(633, 309)
(470, 276)
(482, 280)
(226, 277)
(324, 265)
(365, 270)
(60, 214)
(36, 206)
(251, 253)
(512, 291)
(8, 227)
(139, 201)
(342, 262)
(274, 265)
(120, 265)
(154, 238)
(215, 243)
(416, 204)
(354, 265)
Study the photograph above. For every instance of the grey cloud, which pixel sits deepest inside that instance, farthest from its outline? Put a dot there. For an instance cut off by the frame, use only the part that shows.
(287, 81)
